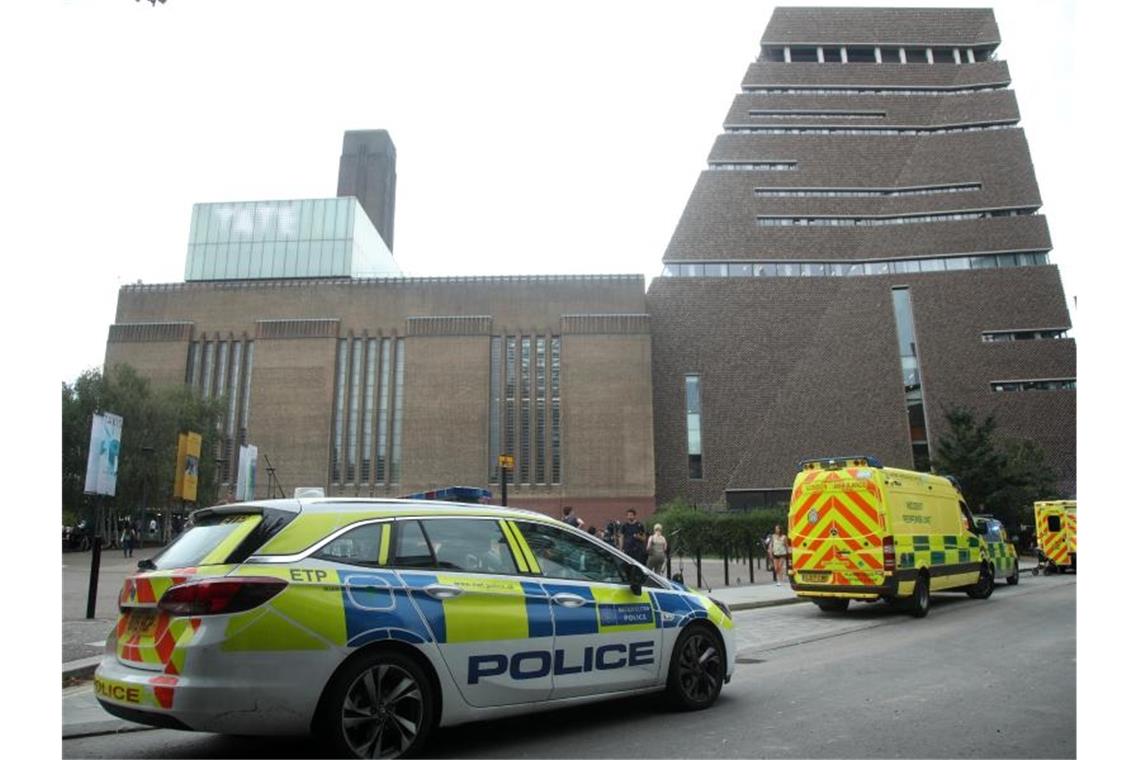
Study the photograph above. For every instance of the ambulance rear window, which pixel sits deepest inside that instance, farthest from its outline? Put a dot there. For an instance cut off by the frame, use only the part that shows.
(1054, 523)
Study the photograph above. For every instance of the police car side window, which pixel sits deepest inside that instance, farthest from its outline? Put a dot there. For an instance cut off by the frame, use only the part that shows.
(359, 546)
(473, 546)
(561, 554)
(410, 547)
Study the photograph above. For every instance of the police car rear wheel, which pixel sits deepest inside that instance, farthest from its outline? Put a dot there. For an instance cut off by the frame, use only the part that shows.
(696, 673)
(381, 707)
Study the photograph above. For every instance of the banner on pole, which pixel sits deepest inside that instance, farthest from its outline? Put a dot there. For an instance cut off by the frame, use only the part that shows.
(247, 473)
(103, 454)
(186, 466)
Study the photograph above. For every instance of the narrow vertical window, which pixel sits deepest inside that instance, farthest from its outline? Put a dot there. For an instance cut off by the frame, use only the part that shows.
(555, 410)
(511, 400)
(540, 410)
(223, 351)
(231, 418)
(338, 408)
(225, 445)
(912, 378)
(495, 410)
(354, 411)
(693, 423)
(208, 370)
(369, 412)
(524, 413)
(382, 422)
(248, 388)
(398, 412)
(192, 364)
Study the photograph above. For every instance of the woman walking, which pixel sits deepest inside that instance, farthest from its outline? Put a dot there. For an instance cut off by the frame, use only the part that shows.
(779, 552)
(656, 547)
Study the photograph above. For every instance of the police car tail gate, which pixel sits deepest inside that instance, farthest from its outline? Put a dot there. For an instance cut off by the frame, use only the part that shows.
(836, 528)
(162, 605)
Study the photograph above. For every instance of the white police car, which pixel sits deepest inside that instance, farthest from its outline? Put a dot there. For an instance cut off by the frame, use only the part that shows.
(371, 622)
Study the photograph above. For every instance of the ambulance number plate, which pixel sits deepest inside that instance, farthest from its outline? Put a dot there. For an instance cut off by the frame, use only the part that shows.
(809, 577)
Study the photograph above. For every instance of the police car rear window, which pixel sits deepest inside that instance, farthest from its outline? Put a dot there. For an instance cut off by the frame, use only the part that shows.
(209, 542)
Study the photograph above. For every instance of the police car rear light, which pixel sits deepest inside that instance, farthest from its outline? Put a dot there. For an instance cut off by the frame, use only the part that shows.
(219, 596)
(889, 554)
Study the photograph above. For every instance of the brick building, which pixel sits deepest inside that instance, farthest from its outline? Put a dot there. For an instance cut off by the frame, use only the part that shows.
(863, 251)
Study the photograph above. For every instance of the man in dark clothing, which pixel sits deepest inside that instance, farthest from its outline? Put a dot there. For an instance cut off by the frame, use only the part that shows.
(571, 519)
(633, 537)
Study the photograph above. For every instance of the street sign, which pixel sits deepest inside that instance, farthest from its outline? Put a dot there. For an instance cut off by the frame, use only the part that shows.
(507, 461)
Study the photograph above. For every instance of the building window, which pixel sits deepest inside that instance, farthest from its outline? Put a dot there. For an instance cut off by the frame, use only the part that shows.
(208, 370)
(1052, 384)
(192, 364)
(555, 410)
(512, 401)
(693, 425)
(815, 114)
(369, 423)
(878, 221)
(398, 414)
(248, 388)
(856, 90)
(1005, 336)
(852, 129)
(338, 408)
(540, 410)
(804, 54)
(859, 54)
(354, 410)
(382, 421)
(525, 412)
(495, 441)
(761, 166)
(912, 377)
(854, 269)
(862, 192)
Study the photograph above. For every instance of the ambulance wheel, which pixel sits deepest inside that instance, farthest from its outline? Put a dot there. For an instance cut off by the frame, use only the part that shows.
(696, 670)
(1013, 579)
(985, 585)
(381, 705)
(920, 599)
(832, 606)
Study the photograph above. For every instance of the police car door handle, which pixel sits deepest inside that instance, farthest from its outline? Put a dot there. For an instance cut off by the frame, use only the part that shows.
(439, 591)
(568, 600)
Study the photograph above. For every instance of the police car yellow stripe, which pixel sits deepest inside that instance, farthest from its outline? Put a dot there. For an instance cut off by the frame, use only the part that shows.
(516, 552)
(524, 547)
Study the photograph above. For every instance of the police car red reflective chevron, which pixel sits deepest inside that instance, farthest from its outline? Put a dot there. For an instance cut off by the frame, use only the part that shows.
(374, 621)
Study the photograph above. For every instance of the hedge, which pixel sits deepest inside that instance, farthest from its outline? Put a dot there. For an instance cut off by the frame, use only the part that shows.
(690, 529)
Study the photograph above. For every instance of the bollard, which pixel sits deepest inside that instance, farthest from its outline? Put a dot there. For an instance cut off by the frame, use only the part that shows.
(699, 584)
(726, 583)
(751, 575)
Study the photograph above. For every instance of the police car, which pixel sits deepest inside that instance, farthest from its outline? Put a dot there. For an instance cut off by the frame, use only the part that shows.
(371, 622)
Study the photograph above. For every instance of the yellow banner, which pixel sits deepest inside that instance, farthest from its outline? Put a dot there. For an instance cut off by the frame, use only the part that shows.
(186, 467)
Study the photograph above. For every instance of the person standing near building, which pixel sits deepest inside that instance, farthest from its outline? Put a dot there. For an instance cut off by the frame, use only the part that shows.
(656, 547)
(572, 519)
(633, 536)
(125, 540)
(779, 552)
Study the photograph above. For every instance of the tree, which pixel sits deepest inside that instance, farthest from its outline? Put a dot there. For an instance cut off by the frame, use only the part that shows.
(152, 419)
(970, 453)
(999, 476)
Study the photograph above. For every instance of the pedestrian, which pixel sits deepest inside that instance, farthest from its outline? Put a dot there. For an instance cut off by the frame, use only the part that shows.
(656, 547)
(768, 552)
(592, 531)
(132, 539)
(125, 541)
(779, 552)
(633, 536)
(572, 519)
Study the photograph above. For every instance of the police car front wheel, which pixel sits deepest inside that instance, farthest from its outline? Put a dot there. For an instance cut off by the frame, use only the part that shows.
(696, 671)
(381, 705)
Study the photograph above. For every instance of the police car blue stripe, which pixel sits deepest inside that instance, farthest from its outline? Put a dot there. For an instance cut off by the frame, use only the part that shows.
(431, 608)
(377, 607)
(538, 615)
(573, 621)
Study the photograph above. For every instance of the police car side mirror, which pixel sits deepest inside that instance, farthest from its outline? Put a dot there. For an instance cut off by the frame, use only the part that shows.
(635, 576)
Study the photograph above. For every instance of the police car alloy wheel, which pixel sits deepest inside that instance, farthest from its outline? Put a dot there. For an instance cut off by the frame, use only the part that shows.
(380, 706)
(696, 672)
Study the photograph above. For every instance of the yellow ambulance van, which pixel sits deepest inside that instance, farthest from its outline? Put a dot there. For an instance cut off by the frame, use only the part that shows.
(858, 530)
(1057, 534)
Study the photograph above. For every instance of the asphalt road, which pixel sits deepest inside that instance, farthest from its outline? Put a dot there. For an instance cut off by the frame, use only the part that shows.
(994, 678)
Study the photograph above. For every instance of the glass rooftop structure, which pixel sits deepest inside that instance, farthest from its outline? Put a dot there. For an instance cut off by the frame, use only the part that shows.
(257, 240)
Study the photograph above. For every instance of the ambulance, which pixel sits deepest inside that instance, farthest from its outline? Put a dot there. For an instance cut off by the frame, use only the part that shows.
(1057, 533)
(1002, 552)
(372, 622)
(858, 530)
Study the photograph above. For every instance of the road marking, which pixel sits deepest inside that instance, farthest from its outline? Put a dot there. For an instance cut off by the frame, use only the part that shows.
(96, 643)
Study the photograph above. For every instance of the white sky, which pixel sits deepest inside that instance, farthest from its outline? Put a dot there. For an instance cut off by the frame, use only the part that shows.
(536, 137)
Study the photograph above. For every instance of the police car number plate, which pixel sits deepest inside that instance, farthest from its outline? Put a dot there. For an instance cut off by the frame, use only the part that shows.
(808, 577)
(141, 622)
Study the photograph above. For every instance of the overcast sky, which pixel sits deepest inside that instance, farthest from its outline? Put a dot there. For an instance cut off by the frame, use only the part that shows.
(531, 137)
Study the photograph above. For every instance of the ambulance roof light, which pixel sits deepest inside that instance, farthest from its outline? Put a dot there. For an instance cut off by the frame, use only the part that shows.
(834, 463)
